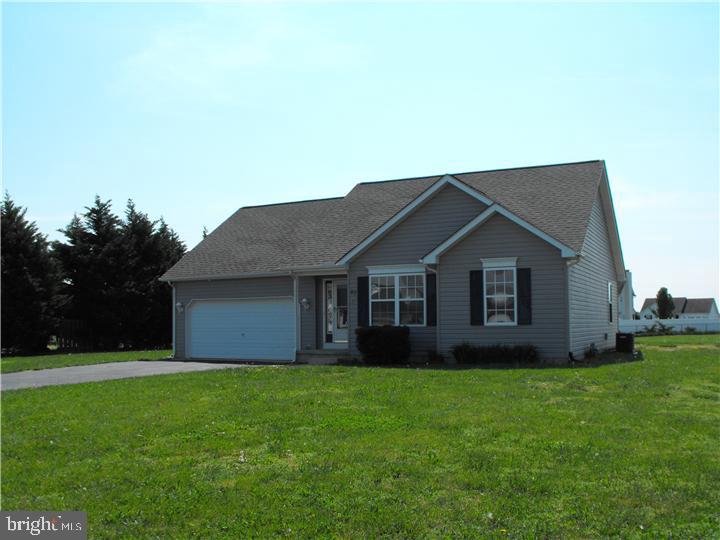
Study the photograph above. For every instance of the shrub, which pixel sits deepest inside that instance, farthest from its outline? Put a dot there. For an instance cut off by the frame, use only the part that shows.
(384, 345)
(690, 330)
(466, 353)
(434, 357)
(658, 329)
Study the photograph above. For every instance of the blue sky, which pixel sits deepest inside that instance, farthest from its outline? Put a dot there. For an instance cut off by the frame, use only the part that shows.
(196, 110)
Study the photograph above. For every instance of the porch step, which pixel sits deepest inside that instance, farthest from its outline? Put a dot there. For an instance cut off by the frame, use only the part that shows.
(322, 356)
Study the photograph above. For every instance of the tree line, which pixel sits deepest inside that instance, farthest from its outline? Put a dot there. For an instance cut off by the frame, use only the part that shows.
(101, 279)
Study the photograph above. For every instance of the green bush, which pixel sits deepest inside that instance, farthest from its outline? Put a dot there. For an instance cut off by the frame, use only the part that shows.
(465, 353)
(658, 329)
(384, 345)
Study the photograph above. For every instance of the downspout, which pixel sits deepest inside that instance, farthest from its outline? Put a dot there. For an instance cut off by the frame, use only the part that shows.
(569, 262)
(437, 308)
(173, 318)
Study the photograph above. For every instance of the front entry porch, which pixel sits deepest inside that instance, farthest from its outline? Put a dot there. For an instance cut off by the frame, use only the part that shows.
(323, 313)
(334, 313)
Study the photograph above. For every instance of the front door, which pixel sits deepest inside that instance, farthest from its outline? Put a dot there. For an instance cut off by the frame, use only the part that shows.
(336, 312)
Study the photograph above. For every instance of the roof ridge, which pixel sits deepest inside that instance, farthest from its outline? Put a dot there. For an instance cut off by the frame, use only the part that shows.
(400, 179)
(532, 167)
(291, 202)
(483, 171)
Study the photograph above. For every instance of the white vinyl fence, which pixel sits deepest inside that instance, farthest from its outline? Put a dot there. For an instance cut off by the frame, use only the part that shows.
(677, 325)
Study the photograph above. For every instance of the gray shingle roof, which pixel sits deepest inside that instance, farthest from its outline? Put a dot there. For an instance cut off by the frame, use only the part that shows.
(557, 199)
(698, 305)
(685, 305)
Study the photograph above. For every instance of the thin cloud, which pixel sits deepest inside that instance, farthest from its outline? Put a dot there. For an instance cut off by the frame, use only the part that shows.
(228, 59)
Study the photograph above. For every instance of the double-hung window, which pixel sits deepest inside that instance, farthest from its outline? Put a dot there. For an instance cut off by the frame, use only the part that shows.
(500, 292)
(397, 299)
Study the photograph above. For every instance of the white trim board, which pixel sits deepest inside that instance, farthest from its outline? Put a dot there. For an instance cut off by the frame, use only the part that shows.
(296, 301)
(608, 209)
(432, 257)
(409, 209)
(506, 262)
(396, 269)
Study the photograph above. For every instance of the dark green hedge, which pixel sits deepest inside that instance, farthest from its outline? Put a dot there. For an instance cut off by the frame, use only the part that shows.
(495, 354)
(384, 345)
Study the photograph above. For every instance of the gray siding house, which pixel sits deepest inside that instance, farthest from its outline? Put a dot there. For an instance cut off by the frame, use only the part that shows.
(511, 256)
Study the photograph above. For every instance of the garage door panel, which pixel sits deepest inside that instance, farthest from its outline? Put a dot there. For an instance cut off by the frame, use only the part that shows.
(242, 329)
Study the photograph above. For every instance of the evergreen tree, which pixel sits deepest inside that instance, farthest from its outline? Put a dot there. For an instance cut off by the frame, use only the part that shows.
(151, 249)
(29, 283)
(170, 251)
(140, 247)
(665, 304)
(93, 262)
(111, 269)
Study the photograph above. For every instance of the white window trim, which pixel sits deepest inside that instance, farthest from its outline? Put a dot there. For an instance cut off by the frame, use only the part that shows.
(492, 266)
(396, 299)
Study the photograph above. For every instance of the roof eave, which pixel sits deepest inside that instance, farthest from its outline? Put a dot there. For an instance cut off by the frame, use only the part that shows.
(295, 271)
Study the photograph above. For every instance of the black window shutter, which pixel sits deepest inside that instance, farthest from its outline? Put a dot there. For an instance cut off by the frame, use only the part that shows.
(524, 285)
(431, 296)
(476, 297)
(362, 301)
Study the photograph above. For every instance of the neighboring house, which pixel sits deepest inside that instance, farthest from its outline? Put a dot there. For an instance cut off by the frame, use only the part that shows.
(626, 298)
(525, 255)
(685, 308)
(699, 308)
(649, 307)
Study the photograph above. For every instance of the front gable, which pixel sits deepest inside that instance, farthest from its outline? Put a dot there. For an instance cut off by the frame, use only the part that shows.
(428, 225)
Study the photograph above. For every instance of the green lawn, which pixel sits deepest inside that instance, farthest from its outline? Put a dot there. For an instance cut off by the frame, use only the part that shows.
(672, 341)
(10, 364)
(624, 450)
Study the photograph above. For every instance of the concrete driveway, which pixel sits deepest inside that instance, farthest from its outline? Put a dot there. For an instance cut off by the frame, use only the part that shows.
(103, 372)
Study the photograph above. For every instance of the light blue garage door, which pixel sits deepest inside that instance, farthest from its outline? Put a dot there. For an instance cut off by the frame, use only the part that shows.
(242, 329)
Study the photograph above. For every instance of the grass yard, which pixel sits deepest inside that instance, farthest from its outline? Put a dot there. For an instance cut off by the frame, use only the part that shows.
(624, 450)
(679, 340)
(11, 364)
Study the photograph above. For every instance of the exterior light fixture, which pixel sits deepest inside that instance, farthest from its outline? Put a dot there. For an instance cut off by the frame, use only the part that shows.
(305, 303)
(179, 306)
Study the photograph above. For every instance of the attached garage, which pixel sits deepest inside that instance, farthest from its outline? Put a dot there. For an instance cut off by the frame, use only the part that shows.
(252, 329)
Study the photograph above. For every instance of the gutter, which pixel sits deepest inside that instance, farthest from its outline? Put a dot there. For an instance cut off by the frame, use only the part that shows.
(299, 271)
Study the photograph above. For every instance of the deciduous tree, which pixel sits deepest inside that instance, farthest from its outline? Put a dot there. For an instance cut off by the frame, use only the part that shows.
(665, 304)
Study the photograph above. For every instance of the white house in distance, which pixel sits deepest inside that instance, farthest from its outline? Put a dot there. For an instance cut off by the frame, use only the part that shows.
(685, 308)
